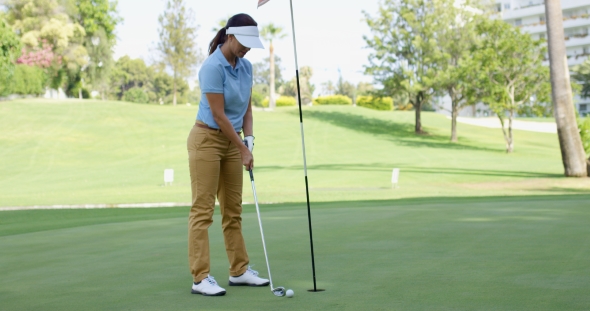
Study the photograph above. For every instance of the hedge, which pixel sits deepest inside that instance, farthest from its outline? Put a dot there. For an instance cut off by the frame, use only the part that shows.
(285, 101)
(282, 101)
(377, 103)
(332, 100)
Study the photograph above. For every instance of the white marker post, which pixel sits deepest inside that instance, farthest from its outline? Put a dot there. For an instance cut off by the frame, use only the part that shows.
(394, 178)
(168, 176)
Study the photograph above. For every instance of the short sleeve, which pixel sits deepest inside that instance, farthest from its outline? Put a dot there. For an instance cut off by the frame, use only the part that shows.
(211, 79)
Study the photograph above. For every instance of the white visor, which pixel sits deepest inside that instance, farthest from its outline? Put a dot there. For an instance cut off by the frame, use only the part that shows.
(248, 36)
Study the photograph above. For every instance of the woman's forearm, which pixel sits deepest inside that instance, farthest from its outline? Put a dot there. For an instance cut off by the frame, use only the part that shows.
(248, 124)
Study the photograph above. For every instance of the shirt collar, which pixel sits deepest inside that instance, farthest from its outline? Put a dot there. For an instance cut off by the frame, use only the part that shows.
(224, 61)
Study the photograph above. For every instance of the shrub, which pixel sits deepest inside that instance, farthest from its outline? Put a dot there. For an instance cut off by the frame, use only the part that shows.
(257, 99)
(333, 100)
(28, 80)
(136, 95)
(377, 103)
(284, 101)
(75, 91)
(265, 102)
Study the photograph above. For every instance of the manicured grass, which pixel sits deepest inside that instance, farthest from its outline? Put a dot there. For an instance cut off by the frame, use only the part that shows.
(514, 253)
(84, 152)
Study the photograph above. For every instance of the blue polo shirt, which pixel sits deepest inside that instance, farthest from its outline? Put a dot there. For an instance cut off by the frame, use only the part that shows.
(218, 76)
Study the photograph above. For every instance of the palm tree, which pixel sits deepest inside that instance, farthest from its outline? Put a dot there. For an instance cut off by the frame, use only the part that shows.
(271, 32)
(572, 151)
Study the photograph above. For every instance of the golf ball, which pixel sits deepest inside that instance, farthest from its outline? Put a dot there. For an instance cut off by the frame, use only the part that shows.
(290, 293)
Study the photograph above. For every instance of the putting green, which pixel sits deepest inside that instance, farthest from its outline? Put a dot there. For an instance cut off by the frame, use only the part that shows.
(514, 253)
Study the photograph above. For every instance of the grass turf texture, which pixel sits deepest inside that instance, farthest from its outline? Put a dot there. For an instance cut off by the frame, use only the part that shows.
(85, 152)
(517, 253)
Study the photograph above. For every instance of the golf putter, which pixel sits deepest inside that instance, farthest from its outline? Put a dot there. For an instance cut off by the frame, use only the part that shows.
(278, 291)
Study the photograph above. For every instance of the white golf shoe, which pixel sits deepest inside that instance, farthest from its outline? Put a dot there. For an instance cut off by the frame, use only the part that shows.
(208, 287)
(249, 278)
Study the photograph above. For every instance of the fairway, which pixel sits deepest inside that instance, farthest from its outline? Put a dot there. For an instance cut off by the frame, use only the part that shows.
(95, 152)
(519, 253)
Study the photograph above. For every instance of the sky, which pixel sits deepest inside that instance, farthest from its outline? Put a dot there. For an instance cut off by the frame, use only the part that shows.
(329, 33)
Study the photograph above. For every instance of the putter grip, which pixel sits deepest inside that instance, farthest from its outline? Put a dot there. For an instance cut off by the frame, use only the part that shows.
(251, 175)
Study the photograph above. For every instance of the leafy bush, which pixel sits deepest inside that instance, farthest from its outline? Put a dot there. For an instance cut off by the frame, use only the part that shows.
(332, 100)
(257, 99)
(136, 95)
(284, 101)
(377, 103)
(9, 52)
(75, 91)
(28, 80)
(584, 126)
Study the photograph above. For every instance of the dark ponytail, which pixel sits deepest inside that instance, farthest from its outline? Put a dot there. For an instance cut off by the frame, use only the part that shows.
(219, 39)
(237, 20)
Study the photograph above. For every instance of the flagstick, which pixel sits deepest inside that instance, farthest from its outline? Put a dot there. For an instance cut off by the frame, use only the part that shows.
(315, 289)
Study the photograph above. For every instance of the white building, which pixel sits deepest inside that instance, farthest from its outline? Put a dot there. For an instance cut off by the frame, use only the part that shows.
(529, 15)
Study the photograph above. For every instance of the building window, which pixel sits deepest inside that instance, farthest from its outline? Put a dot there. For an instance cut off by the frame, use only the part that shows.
(506, 6)
(542, 19)
(542, 36)
(583, 107)
(518, 22)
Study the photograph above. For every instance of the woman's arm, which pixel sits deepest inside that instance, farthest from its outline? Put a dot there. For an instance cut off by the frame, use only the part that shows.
(248, 125)
(216, 102)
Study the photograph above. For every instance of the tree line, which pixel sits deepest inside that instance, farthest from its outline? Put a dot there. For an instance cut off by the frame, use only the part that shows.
(422, 50)
(68, 44)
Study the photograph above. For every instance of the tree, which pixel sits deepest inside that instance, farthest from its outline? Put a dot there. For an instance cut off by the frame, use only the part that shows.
(512, 76)
(41, 22)
(582, 77)
(364, 88)
(572, 152)
(306, 88)
(456, 33)
(406, 56)
(328, 88)
(177, 44)
(9, 51)
(271, 32)
(345, 88)
(99, 19)
(129, 73)
(261, 72)
(133, 74)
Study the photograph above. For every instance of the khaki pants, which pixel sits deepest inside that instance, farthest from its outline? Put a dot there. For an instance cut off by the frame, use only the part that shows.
(215, 169)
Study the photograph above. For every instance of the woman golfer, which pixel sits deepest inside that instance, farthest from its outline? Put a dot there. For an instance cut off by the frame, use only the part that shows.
(217, 153)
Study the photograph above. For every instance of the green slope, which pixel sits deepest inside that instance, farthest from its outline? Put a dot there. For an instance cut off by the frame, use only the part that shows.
(84, 152)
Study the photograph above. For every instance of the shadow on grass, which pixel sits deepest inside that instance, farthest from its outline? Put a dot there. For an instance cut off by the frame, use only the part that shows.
(401, 133)
(372, 167)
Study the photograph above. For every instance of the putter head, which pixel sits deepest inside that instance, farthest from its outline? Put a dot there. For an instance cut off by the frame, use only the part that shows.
(279, 291)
